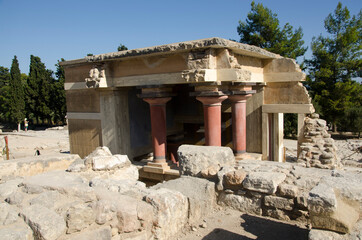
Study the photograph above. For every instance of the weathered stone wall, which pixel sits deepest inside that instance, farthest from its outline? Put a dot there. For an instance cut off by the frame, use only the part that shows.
(316, 148)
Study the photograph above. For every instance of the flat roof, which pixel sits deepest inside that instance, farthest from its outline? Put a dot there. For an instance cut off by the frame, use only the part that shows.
(215, 42)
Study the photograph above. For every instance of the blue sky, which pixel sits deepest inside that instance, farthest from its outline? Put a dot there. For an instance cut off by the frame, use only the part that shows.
(72, 28)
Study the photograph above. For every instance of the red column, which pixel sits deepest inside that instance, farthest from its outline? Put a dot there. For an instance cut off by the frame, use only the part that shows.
(239, 122)
(158, 126)
(212, 119)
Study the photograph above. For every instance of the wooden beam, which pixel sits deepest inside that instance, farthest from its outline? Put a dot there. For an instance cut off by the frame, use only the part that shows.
(288, 108)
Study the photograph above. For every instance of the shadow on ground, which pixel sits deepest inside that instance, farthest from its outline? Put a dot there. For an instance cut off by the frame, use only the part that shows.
(261, 228)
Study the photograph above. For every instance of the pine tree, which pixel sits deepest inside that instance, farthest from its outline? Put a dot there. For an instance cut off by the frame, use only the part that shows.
(262, 29)
(38, 90)
(17, 104)
(122, 47)
(335, 62)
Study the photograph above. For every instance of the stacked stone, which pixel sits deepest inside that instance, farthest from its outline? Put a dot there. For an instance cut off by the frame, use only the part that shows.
(316, 148)
(326, 199)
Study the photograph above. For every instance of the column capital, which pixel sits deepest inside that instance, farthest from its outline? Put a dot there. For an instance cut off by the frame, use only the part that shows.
(211, 101)
(157, 100)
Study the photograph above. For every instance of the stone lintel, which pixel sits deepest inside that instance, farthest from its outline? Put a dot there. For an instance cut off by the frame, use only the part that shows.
(288, 108)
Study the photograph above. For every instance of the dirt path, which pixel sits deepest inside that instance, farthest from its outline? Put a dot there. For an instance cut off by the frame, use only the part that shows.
(233, 225)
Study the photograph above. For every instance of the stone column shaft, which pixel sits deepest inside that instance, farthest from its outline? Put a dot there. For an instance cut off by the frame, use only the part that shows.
(158, 127)
(212, 119)
(238, 109)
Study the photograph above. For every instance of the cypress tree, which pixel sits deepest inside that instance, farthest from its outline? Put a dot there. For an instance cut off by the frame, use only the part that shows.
(17, 104)
(4, 94)
(38, 90)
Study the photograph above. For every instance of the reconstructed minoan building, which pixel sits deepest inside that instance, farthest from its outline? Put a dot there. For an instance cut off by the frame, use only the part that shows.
(211, 91)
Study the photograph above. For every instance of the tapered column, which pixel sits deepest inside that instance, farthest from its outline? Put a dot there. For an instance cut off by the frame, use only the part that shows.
(212, 119)
(238, 94)
(158, 127)
(238, 108)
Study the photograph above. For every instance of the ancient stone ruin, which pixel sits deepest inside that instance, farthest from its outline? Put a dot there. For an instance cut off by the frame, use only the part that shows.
(145, 114)
(315, 145)
(100, 196)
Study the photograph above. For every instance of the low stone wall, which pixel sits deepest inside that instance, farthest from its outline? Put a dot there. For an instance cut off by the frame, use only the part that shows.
(326, 199)
(100, 197)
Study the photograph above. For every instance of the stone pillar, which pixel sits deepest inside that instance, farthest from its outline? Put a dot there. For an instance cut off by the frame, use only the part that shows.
(239, 93)
(157, 97)
(238, 109)
(158, 127)
(212, 118)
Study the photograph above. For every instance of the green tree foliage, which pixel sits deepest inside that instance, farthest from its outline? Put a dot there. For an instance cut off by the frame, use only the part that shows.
(4, 94)
(38, 90)
(262, 29)
(335, 62)
(58, 94)
(17, 104)
(122, 47)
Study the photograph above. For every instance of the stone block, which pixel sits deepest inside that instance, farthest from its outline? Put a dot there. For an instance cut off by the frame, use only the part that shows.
(79, 217)
(235, 178)
(200, 193)
(101, 163)
(171, 211)
(288, 190)
(194, 159)
(9, 187)
(277, 214)
(103, 233)
(279, 202)
(264, 182)
(45, 223)
(63, 182)
(8, 214)
(241, 203)
(16, 232)
(98, 152)
(329, 210)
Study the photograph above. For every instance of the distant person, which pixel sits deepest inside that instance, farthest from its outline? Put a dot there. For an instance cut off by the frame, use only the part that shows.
(26, 124)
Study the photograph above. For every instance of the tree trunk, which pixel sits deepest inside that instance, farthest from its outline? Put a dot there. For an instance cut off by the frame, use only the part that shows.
(335, 127)
(18, 127)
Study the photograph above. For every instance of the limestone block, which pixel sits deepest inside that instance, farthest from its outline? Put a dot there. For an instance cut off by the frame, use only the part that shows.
(129, 172)
(31, 166)
(329, 210)
(16, 232)
(220, 177)
(316, 234)
(276, 213)
(98, 152)
(103, 233)
(100, 163)
(235, 178)
(200, 193)
(15, 198)
(9, 187)
(9, 214)
(194, 159)
(279, 202)
(63, 182)
(127, 187)
(77, 166)
(288, 190)
(264, 182)
(48, 199)
(210, 172)
(79, 217)
(123, 211)
(170, 209)
(241, 203)
(45, 223)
